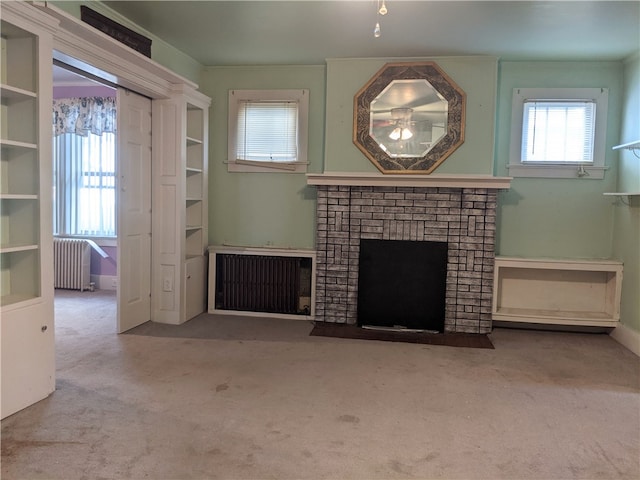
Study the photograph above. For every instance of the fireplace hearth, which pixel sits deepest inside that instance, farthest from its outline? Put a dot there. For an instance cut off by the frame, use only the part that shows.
(352, 209)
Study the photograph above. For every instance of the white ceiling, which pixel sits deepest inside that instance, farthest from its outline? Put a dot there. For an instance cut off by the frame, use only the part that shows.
(307, 32)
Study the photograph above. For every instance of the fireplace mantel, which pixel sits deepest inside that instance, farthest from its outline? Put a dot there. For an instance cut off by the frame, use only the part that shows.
(435, 180)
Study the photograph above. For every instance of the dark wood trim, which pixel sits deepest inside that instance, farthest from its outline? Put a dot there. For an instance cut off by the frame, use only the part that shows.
(116, 31)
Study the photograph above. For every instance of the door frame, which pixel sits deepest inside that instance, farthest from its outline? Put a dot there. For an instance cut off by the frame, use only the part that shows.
(83, 47)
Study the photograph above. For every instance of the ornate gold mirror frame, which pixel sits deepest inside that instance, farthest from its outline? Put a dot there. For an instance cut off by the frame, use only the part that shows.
(409, 118)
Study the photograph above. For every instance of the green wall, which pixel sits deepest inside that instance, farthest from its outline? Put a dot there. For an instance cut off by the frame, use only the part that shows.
(557, 218)
(626, 232)
(161, 51)
(477, 76)
(262, 209)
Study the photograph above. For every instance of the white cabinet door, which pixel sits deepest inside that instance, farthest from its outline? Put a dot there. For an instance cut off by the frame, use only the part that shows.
(28, 356)
(134, 210)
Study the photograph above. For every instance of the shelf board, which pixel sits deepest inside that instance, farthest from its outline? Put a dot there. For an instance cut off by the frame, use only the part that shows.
(14, 298)
(11, 248)
(193, 141)
(17, 196)
(10, 92)
(192, 228)
(5, 143)
(552, 314)
(193, 171)
(558, 264)
(554, 317)
(193, 199)
(619, 194)
(628, 146)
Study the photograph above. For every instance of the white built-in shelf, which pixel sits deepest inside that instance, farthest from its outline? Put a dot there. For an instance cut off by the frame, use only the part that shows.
(628, 146)
(193, 141)
(17, 248)
(193, 171)
(10, 92)
(12, 298)
(634, 147)
(5, 143)
(16, 196)
(557, 291)
(190, 228)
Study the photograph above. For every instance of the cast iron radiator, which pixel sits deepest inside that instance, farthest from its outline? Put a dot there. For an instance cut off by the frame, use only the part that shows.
(258, 283)
(71, 264)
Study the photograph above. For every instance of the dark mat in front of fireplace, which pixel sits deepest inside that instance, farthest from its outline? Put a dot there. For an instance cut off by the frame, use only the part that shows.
(341, 330)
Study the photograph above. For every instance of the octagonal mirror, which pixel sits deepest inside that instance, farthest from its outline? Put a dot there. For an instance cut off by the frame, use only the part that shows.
(409, 118)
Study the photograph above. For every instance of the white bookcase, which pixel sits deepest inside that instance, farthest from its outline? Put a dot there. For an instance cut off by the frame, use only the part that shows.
(196, 209)
(26, 241)
(560, 292)
(19, 171)
(181, 184)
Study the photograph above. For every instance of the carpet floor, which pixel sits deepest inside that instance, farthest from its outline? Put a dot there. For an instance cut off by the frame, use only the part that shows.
(229, 397)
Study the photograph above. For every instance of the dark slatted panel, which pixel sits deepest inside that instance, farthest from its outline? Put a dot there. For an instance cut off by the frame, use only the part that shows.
(260, 283)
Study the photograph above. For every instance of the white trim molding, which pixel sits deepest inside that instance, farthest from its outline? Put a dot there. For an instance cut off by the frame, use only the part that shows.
(299, 97)
(557, 171)
(82, 46)
(434, 180)
(105, 282)
(627, 337)
(594, 170)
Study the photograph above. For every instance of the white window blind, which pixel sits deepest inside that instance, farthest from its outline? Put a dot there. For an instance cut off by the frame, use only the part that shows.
(267, 131)
(558, 131)
(84, 185)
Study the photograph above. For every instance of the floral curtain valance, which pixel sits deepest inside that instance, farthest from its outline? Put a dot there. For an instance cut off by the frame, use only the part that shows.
(84, 115)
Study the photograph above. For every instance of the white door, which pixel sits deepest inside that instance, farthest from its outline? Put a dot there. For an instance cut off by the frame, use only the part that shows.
(134, 209)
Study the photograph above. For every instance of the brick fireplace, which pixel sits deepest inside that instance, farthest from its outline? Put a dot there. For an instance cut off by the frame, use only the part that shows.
(457, 209)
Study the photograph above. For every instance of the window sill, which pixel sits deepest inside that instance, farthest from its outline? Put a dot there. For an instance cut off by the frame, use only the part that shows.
(267, 167)
(587, 172)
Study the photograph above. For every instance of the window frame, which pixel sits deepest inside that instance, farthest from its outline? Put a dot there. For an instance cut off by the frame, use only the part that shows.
(546, 169)
(236, 97)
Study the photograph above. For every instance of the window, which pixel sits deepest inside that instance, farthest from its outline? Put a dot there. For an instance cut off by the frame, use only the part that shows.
(84, 162)
(268, 130)
(84, 185)
(558, 132)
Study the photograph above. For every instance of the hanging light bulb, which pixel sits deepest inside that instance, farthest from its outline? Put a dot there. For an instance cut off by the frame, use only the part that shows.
(376, 31)
(395, 134)
(383, 9)
(406, 134)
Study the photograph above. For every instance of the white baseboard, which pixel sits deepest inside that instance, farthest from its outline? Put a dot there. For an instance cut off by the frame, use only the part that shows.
(627, 337)
(105, 282)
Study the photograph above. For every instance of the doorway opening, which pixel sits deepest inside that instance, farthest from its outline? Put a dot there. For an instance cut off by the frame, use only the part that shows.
(102, 182)
(84, 194)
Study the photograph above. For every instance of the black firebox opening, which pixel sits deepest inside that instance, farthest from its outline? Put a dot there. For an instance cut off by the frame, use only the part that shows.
(402, 284)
